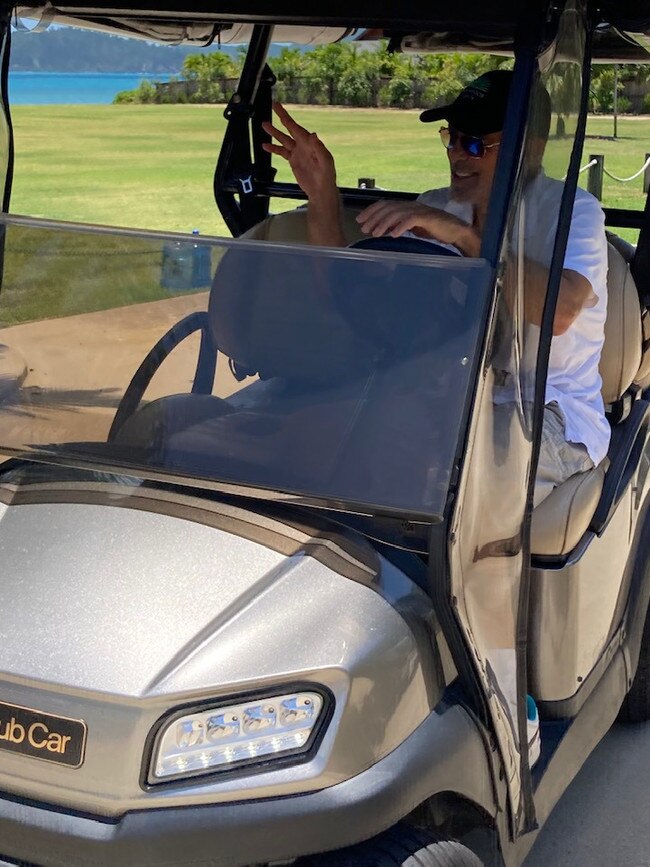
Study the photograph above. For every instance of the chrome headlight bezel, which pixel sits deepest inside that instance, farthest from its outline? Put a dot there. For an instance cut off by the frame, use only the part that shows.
(243, 767)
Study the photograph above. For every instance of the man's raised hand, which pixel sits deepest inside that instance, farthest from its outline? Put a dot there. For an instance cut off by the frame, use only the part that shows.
(311, 162)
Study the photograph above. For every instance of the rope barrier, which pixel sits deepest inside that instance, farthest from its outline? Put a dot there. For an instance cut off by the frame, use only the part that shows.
(632, 177)
(584, 168)
(588, 166)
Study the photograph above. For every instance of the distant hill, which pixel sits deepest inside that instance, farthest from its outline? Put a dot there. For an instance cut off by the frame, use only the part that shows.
(70, 49)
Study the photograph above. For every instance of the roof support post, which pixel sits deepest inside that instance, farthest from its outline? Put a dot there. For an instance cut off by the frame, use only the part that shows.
(239, 171)
(6, 127)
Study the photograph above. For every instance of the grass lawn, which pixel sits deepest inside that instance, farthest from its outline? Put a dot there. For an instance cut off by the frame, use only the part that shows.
(151, 166)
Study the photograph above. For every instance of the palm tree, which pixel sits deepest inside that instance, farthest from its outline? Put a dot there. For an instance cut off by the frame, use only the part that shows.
(564, 86)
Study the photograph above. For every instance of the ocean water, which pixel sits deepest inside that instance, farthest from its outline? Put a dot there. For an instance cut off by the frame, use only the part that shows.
(70, 88)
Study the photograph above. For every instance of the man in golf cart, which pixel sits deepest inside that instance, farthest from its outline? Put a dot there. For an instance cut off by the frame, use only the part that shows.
(575, 433)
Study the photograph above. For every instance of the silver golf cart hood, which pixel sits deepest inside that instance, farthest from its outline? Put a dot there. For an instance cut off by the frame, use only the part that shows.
(138, 602)
(135, 603)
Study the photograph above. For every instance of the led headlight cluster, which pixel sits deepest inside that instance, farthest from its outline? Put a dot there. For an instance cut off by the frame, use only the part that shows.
(226, 737)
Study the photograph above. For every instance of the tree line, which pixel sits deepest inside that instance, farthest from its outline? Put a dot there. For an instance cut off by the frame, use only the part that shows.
(349, 74)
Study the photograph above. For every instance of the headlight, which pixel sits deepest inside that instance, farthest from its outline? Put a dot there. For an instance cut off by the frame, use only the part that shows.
(224, 738)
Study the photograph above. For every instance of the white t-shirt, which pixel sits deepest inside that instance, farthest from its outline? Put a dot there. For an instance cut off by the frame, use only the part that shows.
(573, 378)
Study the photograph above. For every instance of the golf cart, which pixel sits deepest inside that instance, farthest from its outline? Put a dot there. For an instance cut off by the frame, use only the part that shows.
(273, 589)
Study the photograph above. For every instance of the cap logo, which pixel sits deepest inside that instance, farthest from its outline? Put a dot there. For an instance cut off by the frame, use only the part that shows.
(482, 83)
(474, 93)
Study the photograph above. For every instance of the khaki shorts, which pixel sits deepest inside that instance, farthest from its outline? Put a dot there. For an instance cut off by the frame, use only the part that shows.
(559, 459)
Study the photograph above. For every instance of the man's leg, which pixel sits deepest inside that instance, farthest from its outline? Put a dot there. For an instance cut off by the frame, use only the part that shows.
(558, 458)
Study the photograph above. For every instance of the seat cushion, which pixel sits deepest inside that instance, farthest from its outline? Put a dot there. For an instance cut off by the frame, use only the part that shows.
(562, 518)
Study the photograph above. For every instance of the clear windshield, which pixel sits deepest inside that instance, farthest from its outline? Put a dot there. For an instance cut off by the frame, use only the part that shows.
(341, 375)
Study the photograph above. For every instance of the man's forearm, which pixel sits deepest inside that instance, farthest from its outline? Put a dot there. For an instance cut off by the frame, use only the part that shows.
(574, 293)
(324, 223)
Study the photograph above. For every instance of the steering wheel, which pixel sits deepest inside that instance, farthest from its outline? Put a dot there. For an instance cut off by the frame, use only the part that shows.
(376, 308)
(405, 245)
(203, 378)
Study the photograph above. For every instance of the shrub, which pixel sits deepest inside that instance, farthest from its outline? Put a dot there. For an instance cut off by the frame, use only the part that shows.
(124, 96)
(624, 104)
(145, 92)
(354, 88)
(400, 92)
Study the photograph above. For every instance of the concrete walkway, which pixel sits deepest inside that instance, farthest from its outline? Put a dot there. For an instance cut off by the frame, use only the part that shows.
(62, 379)
(602, 820)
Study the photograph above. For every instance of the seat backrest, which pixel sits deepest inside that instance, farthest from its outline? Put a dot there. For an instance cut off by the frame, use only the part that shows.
(291, 227)
(620, 360)
(310, 319)
(642, 378)
(562, 518)
(280, 322)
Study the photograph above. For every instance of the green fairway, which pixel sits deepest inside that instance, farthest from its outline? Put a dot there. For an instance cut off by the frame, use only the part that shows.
(152, 165)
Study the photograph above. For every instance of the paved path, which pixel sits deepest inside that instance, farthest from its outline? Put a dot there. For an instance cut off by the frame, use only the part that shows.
(62, 379)
(603, 820)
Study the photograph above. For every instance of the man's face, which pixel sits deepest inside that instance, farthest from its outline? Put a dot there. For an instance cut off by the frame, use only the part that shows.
(471, 178)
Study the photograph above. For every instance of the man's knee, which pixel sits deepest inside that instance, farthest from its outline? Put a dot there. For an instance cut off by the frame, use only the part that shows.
(559, 459)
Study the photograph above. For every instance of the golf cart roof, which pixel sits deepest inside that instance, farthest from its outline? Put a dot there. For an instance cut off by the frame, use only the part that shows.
(436, 26)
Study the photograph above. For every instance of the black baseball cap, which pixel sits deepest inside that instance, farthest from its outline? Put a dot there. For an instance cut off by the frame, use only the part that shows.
(480, 108)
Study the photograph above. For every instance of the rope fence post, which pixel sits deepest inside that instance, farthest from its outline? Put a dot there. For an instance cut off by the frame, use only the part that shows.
(595, 176)
(596, 169)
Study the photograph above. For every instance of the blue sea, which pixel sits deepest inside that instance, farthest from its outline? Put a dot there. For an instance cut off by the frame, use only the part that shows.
(70, 88)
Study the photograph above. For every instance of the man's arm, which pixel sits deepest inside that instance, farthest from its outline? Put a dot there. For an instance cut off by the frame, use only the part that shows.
(395, 218)
(313, 168)
(575, 293)
(585, 267)
(324, 223)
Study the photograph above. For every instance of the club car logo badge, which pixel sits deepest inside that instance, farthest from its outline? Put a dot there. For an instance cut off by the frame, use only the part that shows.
(41, 735)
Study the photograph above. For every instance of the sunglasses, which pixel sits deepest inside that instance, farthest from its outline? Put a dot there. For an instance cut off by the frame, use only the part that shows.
(472, 145)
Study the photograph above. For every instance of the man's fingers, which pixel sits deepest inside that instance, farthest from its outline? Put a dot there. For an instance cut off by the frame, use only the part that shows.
(381, 218)
(371, 212)
(378, 227)
(288, 122)
(372, 220)
(386, 225)
(405, 225)
(394, 221)
(282, 137)
(276, 149)
(369, 226)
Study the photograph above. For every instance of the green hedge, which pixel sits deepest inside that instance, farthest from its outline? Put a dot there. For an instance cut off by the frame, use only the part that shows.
(351, 74)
